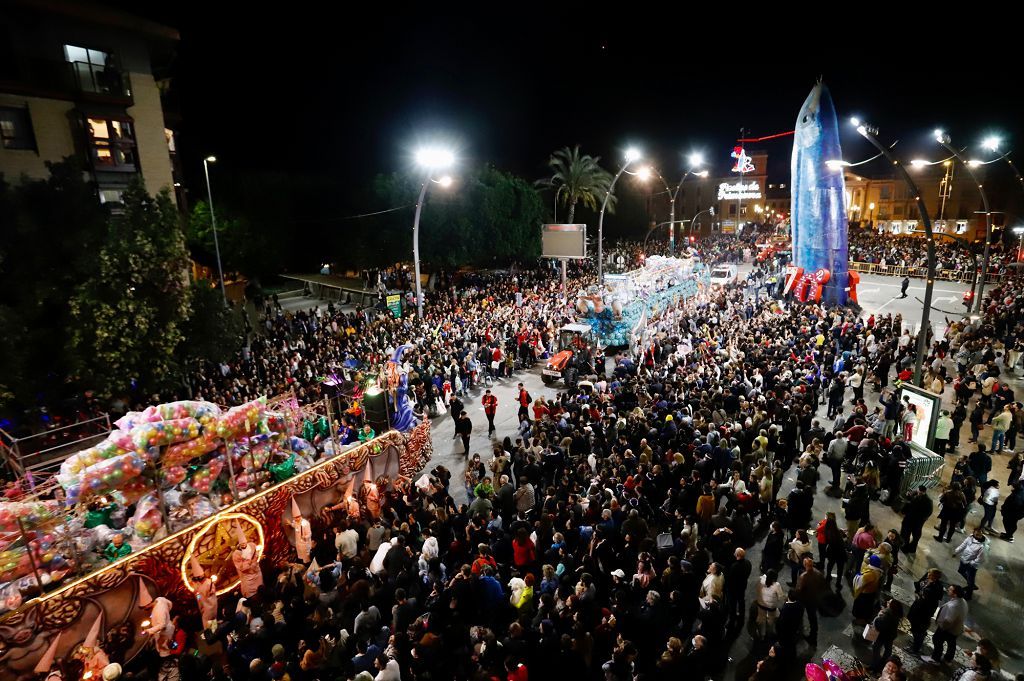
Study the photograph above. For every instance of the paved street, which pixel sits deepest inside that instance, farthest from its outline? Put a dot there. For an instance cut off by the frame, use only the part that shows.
(996, 607)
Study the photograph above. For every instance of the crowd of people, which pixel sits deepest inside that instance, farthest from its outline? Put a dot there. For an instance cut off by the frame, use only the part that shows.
(607, 536)
(908, 251)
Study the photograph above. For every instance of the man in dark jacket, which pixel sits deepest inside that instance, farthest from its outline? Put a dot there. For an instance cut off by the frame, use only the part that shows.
(1013, 511)
(915, 513)
(736, 578)
(929, 591)
(464, 427)
(789, 625)
(809, 588)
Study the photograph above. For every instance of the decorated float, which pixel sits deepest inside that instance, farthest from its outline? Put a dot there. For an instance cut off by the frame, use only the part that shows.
(618, 309)
(168, 496)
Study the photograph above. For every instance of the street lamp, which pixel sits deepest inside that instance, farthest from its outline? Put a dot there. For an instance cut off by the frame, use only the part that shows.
(870, 134)
(696, 160)
(431, 159)
(943, 139)
(632, 154)
(213, 221)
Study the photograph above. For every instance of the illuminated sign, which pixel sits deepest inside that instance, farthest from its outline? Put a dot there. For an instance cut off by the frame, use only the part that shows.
(738, 190)
(743, 163)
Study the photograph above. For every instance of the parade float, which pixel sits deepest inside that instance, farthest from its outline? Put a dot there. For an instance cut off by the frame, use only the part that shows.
(619, 309)
(172, 490)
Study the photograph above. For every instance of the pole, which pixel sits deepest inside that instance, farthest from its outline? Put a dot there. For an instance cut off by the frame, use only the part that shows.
(213, 221)
(922, 336)
(739, 194)
(600, 223)
(416, 246)
(31, 558)
(565, 296)
(945, 141)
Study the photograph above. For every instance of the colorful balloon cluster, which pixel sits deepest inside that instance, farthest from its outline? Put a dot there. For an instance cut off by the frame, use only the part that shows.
(15, 561)
(147, 519)
(240, 421)
(112, 474)
(31, 513)
(186, 429)
(202, 479)
(164, 433)
(183, 452)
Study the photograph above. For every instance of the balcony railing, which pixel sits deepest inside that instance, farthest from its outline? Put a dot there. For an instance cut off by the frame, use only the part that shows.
(100, 80)
(53, 78)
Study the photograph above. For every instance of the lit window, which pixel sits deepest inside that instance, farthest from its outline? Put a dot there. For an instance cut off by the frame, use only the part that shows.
(782, 186)
(961, 226)
(169, 136)
(112, 142)
(16, 128)
(95, 70)
(111, 196)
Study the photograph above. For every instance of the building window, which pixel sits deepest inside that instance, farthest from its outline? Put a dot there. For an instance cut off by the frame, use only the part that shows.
(732, 209)
(95, 70)
(782, 186)
(896, 226)
(961, 226)
(884, 193)
(16, 128)
(112, 142)
(111, 196)
(771, 186)
(897, 211)
(911, 226)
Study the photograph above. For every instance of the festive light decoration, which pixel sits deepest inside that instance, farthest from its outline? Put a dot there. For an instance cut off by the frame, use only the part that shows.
(221, 525)
(743, 163)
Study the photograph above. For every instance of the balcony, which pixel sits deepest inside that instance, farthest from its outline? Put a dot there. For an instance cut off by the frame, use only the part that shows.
(56, 79)
(103, 81)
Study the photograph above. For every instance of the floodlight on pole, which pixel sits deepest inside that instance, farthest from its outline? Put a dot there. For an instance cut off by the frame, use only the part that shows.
(431, 159)
(632, 154)
(991, 143)
(213, 222)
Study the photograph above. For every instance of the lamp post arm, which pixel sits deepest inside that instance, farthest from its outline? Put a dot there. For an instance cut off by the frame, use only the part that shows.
(600, 223)
(922, 336)
(416, 245)
(988, 222)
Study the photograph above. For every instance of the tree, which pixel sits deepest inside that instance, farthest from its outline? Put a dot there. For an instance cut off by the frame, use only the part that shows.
(130, 313)
(213, 332)
(52, 230)
(578, 178)
(487, 217)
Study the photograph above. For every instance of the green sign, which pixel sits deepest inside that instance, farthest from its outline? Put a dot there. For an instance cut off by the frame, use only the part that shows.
(394, 302)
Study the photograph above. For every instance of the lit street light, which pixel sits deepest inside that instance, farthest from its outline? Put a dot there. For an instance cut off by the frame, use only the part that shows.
(213, 221)
(632, 154)
(696, 160)
(431, 159)
(943, 139)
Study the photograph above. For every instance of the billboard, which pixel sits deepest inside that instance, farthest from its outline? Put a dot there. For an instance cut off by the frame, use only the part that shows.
(564, 241)
(926, 407)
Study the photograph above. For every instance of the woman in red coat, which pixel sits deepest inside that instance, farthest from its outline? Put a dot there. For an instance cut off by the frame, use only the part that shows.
(524, 553)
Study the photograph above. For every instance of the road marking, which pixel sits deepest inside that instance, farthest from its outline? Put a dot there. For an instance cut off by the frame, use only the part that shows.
(914, 288)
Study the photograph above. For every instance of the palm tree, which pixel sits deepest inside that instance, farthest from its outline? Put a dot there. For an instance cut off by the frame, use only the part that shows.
(578, 177)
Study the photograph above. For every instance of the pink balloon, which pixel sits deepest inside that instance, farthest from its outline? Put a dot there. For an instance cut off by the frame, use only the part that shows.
(814, 672)
(834, 670)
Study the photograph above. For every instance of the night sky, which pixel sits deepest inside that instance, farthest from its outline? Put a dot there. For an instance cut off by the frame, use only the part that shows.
(347, 94)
